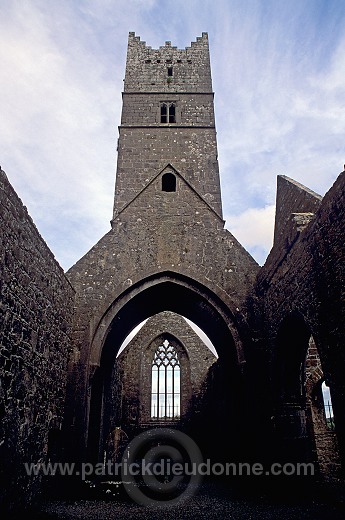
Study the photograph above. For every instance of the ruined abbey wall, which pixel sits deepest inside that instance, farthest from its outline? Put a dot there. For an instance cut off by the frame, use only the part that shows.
(36, 305)
(167, 250)
(303, 280)
(134, 365)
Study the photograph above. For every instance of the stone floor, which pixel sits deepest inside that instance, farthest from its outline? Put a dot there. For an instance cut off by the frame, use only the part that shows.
(214, 500)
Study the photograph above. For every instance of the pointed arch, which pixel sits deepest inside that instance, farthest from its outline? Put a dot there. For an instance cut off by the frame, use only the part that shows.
(184, 296)
(300, 417)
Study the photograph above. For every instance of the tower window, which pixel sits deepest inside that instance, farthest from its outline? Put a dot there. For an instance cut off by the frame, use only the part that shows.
(168, 113)
(172, 115)
(164, 113)
(168, 182)
(166, 383)
(170, 71)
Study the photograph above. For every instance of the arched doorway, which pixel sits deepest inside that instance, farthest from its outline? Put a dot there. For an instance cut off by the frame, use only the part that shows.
(301, 426)
(219, 426)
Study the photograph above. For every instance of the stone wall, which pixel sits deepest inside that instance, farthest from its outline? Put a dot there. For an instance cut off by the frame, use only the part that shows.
(303, 282)
(159, 232)
(146, 145)
(147, 68)
(36, 307)
(192, 152)
(143, 108)
(293, 199)
(135, 362)
(168, 250)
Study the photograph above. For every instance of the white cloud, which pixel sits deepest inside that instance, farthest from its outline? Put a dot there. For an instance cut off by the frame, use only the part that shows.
(280, 98)
(58, 143)
(254, 230)
(275, 111)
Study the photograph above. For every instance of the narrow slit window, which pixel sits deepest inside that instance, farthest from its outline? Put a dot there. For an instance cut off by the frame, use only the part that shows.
(168, 182)
(172, 116)
(327, 402)
(170, 71)
(166, 384)
(164, 113)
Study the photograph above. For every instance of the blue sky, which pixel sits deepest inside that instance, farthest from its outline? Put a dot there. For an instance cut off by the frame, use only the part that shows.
(278, 75)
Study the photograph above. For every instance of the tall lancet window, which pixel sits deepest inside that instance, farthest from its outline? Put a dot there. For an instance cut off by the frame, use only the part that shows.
(166, 383)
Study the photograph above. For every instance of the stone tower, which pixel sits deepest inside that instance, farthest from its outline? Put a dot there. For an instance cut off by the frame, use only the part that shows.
(167, 120)
(167, 249)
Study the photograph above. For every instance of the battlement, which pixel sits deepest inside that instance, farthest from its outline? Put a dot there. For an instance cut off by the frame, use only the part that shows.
(199, 40)
(168, 69)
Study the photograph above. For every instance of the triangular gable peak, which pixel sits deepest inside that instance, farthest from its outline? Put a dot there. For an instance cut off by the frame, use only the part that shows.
(292, 199)
(168, 176)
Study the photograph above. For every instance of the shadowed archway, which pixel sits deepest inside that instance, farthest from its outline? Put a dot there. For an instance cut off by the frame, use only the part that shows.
(300, 419)
(185, 297)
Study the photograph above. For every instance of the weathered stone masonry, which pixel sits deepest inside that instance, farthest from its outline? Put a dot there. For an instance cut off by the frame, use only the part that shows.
(36, 306)
(133, 371)
(300, 294)
(278, 330)
(168, 249)
(189, 144)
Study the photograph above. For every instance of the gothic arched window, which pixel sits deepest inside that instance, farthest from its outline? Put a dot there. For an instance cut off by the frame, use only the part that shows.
(166, 383)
